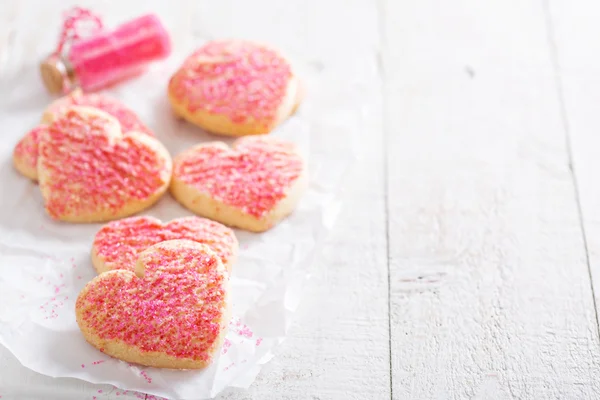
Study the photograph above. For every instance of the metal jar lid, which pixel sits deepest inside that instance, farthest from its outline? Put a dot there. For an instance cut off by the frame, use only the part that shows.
(57, 75)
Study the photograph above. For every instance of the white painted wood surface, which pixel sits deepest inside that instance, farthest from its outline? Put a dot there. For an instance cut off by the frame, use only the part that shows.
(577, 65)
(490, 291)
(472, 113)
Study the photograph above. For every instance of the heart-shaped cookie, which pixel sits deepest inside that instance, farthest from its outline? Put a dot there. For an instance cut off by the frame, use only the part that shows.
(252, 185)
(118, 244)
(172, 312)
(25, 153)
(89, 171)
(127, 118)
(235, 87)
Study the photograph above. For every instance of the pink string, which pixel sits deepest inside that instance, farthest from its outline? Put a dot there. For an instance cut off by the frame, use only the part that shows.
(78, 23)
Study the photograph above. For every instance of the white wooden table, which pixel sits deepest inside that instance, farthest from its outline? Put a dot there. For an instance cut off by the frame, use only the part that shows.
(465, 260)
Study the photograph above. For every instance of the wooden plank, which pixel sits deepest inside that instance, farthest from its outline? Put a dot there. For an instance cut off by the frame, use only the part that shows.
(338, 349)
(573, 25)
(339, 346)
(490, 293)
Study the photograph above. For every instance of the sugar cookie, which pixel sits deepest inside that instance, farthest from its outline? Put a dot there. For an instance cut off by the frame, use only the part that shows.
(89, 171)
(25, 154)
(235, 87)
(252, 185)
(172, 312)
(26, 151)
(118, 243)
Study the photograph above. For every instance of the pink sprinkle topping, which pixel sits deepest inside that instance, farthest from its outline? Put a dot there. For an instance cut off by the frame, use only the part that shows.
(88, 169)
(258, 341)
(28, 147)
(239, 79)
(254, 175)
(82, 365)
(119, 243)
(100, 391)
(175, 308)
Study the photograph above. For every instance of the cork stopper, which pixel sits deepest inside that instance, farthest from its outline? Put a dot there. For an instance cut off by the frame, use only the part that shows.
(55, 75)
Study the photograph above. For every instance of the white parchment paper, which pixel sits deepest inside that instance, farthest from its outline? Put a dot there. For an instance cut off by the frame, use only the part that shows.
(44, 263)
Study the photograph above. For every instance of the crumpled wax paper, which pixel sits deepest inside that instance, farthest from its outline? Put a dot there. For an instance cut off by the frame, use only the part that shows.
(44, 263)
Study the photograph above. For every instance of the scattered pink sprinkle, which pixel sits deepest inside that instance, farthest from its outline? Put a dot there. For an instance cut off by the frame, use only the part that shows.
(226, 345)
(98, 362)
(82, 365)
(229, 366)
(146, 377)
(100, 391)
(258, 341)
(61, 275)
(245, 332)
(78, 277)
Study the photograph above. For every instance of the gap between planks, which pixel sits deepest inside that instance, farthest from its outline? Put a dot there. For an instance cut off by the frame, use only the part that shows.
(567, 130)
